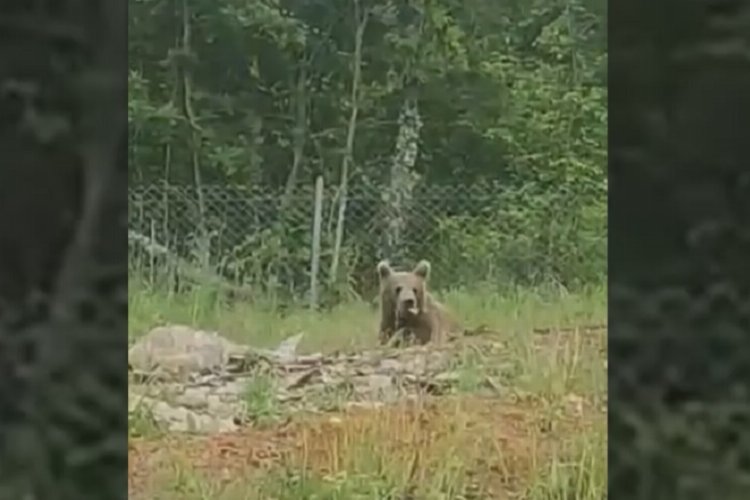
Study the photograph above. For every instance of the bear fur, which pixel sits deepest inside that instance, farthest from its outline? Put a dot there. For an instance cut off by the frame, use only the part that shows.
(408, 308)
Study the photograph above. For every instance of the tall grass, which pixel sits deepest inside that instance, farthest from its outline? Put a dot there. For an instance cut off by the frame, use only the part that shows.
(354, 324)
(544, 439)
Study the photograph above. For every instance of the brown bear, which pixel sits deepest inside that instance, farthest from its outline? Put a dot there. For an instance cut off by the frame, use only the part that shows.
(406, 307)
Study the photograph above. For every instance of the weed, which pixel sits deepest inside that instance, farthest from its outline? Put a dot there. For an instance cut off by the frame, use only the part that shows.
(260, 399)
(523, 420)
(142, 424)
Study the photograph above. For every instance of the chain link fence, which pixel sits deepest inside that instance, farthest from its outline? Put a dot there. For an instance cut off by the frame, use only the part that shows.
(263, 239)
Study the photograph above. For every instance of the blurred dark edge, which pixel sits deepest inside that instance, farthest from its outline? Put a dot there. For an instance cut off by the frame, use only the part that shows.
(63, 250)
(679, 350)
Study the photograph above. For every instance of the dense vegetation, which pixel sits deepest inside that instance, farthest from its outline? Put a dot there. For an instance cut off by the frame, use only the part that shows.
(486, 119)
(471, 133)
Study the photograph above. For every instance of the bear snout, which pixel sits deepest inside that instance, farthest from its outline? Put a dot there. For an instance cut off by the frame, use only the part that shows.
(408, 306)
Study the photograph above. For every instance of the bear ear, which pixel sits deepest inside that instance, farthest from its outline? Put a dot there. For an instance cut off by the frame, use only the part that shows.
(423, 269)
(384, 269)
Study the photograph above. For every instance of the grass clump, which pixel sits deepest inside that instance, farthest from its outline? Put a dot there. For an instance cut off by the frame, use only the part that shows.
(526, 418)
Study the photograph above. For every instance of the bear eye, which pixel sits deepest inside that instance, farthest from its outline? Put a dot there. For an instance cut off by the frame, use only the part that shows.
(398, 289)
(415, 291)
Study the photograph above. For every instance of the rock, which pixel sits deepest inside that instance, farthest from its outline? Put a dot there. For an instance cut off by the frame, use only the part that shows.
(380, 387)
(417, 364)
(183, 352)
(193, 397)
(213, 397)
(392, 366)
(180, 350)
(364, 370)
(377, 382)
(180, 419)
(300, 379)
(232, 388)
(449, 377)
(286, 351)
(364, 405)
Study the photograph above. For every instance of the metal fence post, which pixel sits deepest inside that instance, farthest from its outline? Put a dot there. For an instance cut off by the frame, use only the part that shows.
(315, 254)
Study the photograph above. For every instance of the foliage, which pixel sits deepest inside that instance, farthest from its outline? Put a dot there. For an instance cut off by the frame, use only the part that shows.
(510, 93)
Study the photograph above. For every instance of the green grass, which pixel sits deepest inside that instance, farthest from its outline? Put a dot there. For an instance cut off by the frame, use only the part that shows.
(354, 325)
(260, 400)
(530, 430)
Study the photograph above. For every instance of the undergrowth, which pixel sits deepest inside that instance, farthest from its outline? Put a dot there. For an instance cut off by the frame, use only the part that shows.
(526, 415)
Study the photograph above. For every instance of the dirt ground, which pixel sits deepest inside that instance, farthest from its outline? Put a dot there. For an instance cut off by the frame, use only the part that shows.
(496, 413)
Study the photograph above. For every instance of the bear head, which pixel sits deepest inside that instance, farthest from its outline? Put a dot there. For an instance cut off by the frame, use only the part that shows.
(404, 291)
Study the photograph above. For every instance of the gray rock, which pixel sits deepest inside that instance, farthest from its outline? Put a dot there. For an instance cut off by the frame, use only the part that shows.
(180, 350)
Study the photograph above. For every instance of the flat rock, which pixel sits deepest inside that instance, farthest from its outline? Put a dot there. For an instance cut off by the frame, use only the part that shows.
(179, 349)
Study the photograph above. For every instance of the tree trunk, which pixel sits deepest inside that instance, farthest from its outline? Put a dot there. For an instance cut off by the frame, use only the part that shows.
(361, 19)
(403, 178)
(299, 133)
(184, 83)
